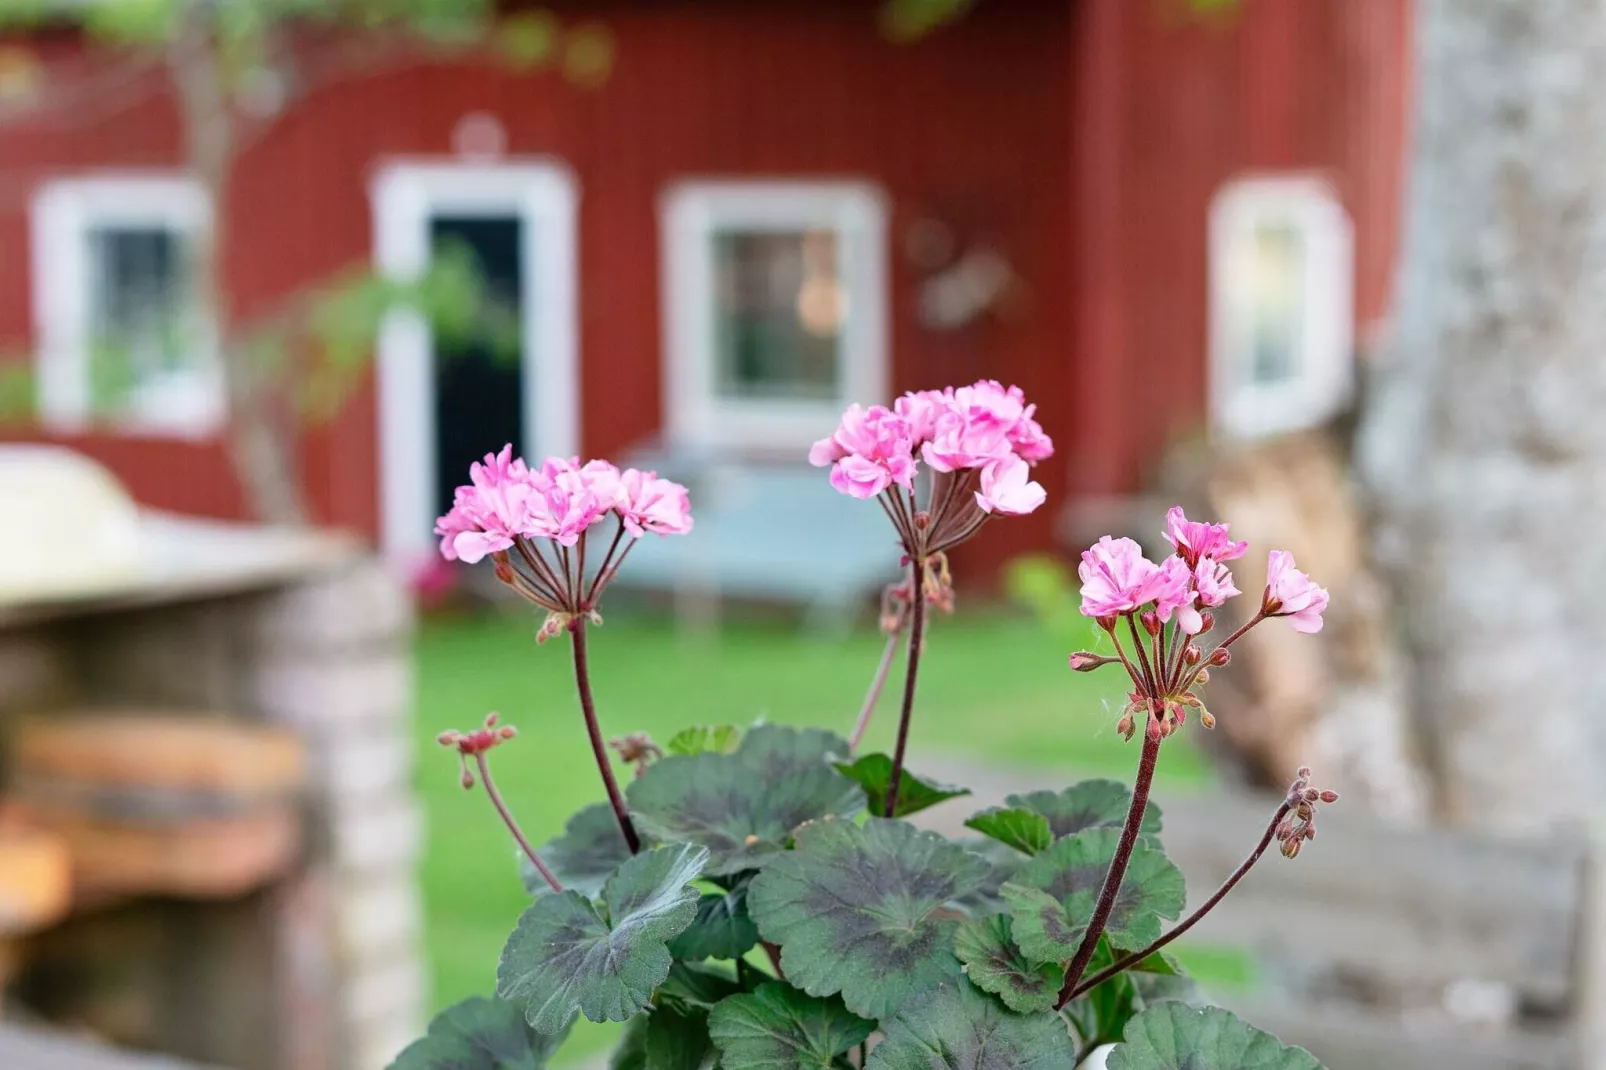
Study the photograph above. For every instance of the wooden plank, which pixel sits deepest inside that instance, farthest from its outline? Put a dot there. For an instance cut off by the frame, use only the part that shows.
(1348, 1039)
(31, 1050)
(1416, 908)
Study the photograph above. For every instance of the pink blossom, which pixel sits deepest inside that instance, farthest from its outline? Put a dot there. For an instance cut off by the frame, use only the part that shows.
(827, 451)
(1117, 578)
(1172, 590)
(860, 477)
(920, 409)
(1213, 581)
(489, 519)
(1194, 539)
(989, 400)
(965, 441)
(1029, 440)
(1006, 488)
(648, 503)
(1290, 593)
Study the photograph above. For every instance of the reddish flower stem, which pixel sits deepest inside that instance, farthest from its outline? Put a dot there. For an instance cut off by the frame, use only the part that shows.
(1117, 871)
(602, 569)
(512, 825)
(1192, 919)
(873, 696)
(917, 627)
(582, 679)
(1149, 679)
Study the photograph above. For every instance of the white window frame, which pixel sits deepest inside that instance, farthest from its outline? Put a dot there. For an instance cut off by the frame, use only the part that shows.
(1326, 357)
(63, 214)
(406, 195)
(690, 213)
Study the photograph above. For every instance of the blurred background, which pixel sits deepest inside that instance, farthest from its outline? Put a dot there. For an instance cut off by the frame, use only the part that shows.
(274, 272)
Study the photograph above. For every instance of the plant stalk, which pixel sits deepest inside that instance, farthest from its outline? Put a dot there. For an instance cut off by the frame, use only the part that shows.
(1117, 871)
(1192, 919)
(873, 696)
(582, 679)
(512, 825)
(917, 627)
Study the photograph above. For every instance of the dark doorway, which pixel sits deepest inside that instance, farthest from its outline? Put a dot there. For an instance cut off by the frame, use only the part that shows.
(479, 382)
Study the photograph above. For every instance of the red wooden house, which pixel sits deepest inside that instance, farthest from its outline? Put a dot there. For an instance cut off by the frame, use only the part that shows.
(1155, 218)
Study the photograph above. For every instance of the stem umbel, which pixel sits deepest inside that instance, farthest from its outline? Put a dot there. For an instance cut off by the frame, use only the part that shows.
(917, 627)
(588, 706)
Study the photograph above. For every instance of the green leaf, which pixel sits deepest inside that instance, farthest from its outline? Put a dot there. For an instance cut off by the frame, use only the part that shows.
(1053, 896)
(1005, 863)
(994, 964)
(480, 1034)
(873, 773)
(1174, 1036)
(1087, 805)
(666, 1039)
(721, 739)
(852, 908)
(566, 955)
(694, 986)
(779, 1028)
(1025, 830)
(744, 807)
(723, 929)
(776, 751)
(584, 857)
(956, 1027)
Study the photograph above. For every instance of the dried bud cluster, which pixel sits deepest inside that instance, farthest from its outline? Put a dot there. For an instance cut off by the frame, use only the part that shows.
(475, 743)
(636, 749)
(1300, 824)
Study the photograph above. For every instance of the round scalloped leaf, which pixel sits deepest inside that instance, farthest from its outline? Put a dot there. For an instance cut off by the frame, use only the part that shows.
(480, 1034)
(566, 955)
(722, 929)
(994, 964)
(779, 1028)
(873, 773)
(585, 856)
(776, 751)
(956, 1027)
(1025, 830)
(742, 815)
(1071, 874)
(1086, 805)
(1175, 1036)
(852, 908)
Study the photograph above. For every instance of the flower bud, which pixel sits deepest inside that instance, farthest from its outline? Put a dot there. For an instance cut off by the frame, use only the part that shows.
(1207, 718)
(1329, 796)
(1151, 622)
(491, 719)
(1220, 656)
(1303, 772)
(1107, 623)
(1126, 727)
(1083, 661)
(467, 779)
(1206, 622)
(507, 731)
(448, 738)
(1203, 677)
(1191, 655)
(1155, 732)
(1290, 848)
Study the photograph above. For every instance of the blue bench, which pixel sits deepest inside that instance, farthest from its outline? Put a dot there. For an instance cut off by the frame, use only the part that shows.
(771, 532)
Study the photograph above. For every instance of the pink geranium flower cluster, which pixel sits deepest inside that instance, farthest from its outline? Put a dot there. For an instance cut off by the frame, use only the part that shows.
(984, 427)
(1169, 603)
(509, 506)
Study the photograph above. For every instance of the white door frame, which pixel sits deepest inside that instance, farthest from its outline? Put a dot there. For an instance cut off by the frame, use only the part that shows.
(406, 194)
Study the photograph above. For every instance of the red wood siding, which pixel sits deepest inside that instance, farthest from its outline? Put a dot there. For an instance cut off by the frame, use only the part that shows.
(1267, 85)
(1083, 138)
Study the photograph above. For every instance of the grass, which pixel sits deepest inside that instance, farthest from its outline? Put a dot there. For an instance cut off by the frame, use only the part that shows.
(993, 687)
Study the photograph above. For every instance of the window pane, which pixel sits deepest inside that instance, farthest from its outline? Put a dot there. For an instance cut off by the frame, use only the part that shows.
(1277, 296)
(140, 307)
(779, 314)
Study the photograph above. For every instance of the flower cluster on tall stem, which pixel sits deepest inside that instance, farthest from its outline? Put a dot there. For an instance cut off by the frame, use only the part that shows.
(535, 525)
(1165, 609)
(979, 442)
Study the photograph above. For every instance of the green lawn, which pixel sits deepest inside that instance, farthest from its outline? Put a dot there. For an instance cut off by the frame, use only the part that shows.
(992, 686)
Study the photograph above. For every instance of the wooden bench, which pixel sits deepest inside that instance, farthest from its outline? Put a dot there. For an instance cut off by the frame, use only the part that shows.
(23, 1049)
(1383, 948)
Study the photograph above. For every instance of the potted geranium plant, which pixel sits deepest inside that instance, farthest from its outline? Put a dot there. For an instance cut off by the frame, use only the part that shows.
(758, 901)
